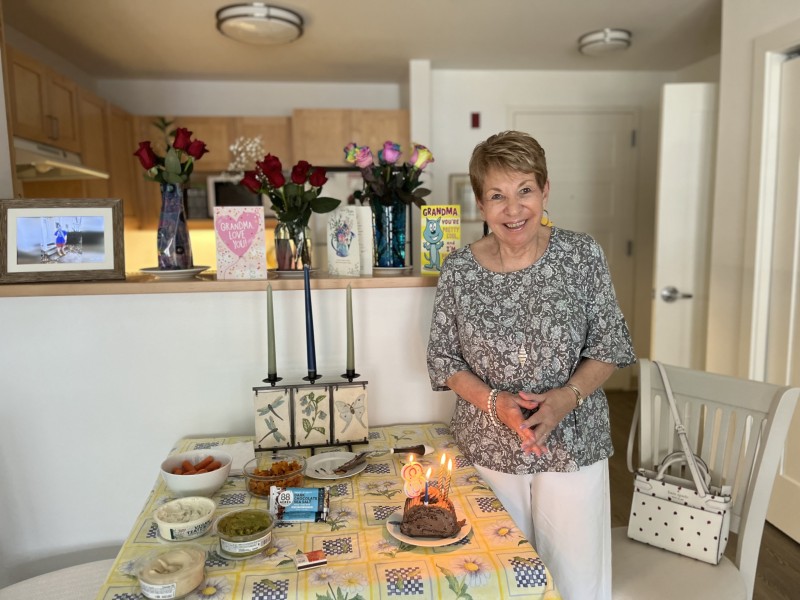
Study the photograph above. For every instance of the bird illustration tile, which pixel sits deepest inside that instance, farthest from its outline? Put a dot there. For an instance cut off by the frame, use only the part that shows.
(273, 419)
(350, 415)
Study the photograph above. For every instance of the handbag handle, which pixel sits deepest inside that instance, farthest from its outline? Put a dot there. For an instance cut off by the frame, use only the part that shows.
(702, 488)
(678, 457)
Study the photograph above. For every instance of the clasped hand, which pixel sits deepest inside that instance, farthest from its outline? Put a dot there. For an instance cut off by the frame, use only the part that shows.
(552, 406)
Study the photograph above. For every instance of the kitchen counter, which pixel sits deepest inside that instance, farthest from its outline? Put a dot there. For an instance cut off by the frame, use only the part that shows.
(138, 283)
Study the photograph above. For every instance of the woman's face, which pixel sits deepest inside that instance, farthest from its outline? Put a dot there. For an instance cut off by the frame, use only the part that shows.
(512, 204)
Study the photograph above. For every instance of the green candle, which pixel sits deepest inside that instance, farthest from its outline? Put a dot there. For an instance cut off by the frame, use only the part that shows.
(350, 358)
(271, 370)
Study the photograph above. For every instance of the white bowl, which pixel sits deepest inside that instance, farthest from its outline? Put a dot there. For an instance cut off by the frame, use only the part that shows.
(184, 518)
(200, 484)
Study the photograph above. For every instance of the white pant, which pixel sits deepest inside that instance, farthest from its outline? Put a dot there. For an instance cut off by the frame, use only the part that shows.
(567, 518)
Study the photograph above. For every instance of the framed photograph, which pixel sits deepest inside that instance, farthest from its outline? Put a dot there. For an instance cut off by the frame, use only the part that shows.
(461, 194)
(69, 239)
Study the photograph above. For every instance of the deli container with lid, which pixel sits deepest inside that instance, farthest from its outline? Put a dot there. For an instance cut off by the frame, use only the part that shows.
(173, 571)
(245, 532)
(184, 518)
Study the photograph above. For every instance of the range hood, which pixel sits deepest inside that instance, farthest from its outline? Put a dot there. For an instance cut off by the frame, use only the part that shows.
(40, 162)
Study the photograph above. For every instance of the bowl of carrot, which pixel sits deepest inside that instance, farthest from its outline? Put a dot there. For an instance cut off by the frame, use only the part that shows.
(197, 472)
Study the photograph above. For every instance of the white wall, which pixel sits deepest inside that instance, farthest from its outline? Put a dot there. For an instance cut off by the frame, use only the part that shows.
(493, 94)
(731, 283)
(97, 389)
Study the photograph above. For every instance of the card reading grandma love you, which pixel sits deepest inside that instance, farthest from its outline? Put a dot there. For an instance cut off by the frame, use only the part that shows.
(241, 249)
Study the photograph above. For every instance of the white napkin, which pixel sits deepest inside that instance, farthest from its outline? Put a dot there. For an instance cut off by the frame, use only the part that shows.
(241, 453)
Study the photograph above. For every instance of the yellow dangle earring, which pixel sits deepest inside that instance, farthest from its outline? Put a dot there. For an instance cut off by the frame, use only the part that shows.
(546, 219)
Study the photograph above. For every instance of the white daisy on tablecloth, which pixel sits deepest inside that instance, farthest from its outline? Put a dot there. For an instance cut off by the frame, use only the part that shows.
(351, 582)
(322, 576)
(278, 551)
(504, 531)
(213, 588)
(476, 571)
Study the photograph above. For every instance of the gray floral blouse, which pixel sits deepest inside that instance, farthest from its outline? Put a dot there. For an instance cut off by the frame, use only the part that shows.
(528, 330)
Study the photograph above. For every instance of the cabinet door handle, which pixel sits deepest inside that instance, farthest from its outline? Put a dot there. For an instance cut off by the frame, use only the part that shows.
(56, 132)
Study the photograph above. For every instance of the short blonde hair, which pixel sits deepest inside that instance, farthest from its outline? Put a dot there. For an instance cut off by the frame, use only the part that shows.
(507, 151)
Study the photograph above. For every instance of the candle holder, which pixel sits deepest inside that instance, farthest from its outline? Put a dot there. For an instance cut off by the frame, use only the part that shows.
(272, 379)
(350, 374)
(312, 377)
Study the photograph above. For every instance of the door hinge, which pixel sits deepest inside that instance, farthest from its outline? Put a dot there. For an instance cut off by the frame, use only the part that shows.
(629, 249)
(633, 138)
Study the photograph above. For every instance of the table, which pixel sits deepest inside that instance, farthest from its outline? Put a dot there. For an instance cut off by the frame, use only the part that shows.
(364, 560)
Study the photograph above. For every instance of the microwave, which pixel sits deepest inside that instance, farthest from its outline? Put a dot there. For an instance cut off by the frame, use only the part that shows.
(225, 190)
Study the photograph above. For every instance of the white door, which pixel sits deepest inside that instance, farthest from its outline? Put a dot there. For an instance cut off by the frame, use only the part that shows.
(683, 205)
(782, 357)
(591, 160)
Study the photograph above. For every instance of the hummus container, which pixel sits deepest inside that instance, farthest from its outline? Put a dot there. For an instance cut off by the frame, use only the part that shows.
(279, 470)
(244, 533)
(171, 572)
(184, 518)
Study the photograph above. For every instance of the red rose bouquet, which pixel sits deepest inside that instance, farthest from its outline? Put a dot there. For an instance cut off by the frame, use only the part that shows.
(178, 161)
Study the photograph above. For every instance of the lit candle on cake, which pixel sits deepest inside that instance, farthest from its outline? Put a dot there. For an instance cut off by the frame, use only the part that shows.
(311, 355)
(440, 476)
(427, 477)
(448, 479)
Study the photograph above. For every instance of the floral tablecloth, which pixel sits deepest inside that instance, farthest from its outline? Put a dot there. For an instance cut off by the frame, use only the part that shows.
(364, 560)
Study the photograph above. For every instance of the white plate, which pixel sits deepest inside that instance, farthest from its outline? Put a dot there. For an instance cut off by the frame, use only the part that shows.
(381, 271)
(321, 466)
(173, 274)
(293, 274)
(393, 527)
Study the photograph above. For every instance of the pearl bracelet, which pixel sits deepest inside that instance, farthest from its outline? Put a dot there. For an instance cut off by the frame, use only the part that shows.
(491, 407)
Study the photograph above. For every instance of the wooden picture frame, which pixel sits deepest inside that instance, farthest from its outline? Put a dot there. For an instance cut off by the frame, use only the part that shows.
(61, 239)
(461, 193)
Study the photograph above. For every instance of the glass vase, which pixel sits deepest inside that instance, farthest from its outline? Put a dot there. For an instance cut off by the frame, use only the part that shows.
(174, 245)
(389, 231)
(292, 246)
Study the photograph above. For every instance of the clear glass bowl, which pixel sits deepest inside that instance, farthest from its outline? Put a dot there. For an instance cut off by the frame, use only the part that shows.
(281, 470)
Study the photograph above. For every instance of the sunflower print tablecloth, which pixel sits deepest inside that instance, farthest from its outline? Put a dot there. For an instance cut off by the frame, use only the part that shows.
(364, 560)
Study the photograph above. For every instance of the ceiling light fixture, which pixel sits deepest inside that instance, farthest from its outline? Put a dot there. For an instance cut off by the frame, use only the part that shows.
(604, 41)
(259, 23)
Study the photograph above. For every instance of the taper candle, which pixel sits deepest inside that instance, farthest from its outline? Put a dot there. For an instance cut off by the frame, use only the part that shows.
(311, 355)
(351, 368)
(271, 369)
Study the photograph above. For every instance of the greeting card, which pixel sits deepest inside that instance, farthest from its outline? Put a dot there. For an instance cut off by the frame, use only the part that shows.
(344, 242)
(241, 249)
(441, 235)
(366, 240)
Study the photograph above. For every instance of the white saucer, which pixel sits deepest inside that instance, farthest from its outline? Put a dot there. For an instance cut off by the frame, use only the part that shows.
(321, 466)
(174, 274)
(393, 528)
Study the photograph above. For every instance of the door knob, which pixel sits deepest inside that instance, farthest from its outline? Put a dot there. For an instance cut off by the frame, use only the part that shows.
(671, 294)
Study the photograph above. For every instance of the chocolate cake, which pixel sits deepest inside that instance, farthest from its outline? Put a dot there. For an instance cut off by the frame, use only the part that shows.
(437, 519)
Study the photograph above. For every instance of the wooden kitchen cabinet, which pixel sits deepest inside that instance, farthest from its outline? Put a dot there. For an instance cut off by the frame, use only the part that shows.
(320, 135)
(44, 104)
(95, 145)
(217, 133)
(124, 168)
(275, 132)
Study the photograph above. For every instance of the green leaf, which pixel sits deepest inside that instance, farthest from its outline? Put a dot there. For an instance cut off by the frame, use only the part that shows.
(323, 204)
(172, 161)
(320, 429)
(306, 425)
(172, 177)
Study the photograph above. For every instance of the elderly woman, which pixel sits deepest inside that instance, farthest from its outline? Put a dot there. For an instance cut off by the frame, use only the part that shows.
(525, 330)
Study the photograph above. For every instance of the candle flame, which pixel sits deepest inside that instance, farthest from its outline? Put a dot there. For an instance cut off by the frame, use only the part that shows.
(441, 462)
(428, 473)
(410, 458)
(450, 464)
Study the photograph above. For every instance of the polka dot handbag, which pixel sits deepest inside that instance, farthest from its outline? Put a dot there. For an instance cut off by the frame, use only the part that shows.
(685, 516)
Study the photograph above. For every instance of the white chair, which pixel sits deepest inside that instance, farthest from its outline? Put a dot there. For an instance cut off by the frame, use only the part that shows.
(739, 428)
(81, 582)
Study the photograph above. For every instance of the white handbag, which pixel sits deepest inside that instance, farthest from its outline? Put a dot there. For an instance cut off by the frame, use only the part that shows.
(686, 516)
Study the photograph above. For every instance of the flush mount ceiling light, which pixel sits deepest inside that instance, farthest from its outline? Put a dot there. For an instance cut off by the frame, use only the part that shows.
(604, 41)
(259, 23)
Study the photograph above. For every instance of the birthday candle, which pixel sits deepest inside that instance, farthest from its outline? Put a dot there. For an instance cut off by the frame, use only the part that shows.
(311, 354)
(449, 478)
(271, 369)
(427, 477)
(440, 476)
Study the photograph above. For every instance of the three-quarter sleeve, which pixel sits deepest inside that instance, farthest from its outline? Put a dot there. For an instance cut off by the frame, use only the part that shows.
(444, 345)
(608, 338)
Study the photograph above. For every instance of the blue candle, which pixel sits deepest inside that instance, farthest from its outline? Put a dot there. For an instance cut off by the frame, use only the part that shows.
(311, 355)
